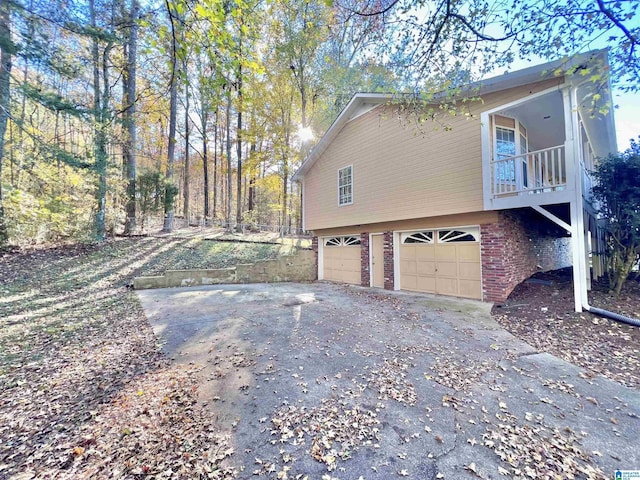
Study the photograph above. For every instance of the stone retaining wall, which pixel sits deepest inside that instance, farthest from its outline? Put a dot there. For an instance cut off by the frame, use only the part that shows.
(297, 267)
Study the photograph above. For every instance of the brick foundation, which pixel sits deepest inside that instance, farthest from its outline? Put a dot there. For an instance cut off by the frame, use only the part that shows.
(365, 274)
(513, 249)
(388, 261)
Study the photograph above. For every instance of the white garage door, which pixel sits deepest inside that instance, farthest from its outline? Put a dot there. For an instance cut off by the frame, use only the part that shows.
(341, 259)
(443, 261)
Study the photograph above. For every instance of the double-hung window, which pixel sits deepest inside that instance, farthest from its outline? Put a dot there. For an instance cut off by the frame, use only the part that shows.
(345, 185)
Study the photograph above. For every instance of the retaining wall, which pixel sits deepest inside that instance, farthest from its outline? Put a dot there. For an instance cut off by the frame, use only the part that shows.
(297, 267)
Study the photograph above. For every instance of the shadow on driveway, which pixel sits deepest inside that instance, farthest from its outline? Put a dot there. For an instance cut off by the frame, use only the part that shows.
(321, 379)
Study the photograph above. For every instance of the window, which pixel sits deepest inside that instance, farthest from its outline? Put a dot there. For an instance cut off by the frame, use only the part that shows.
(418, 237)
(462, 235)
(505, 142)
(345, 186)
(511, 141)
(342, 242)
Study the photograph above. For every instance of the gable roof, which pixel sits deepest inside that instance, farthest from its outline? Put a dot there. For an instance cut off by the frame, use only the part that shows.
(362, 103)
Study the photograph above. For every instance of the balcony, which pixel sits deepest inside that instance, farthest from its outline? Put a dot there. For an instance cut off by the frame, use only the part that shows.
(542, 171)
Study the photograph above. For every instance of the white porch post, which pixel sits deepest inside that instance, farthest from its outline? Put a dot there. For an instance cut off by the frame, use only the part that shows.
(575, 253)
(578, 252)
(574, 182)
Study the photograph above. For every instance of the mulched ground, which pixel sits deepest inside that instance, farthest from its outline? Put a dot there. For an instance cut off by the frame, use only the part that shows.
(84, 391)
(543, 316)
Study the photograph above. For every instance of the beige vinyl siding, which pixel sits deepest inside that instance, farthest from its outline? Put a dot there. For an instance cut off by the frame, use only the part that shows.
(400, 171)
(466, 219)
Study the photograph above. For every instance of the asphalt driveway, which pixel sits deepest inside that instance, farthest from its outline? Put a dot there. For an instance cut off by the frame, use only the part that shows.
(338, 382)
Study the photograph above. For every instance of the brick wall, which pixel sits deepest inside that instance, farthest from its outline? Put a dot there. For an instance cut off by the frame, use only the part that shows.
(314, 247)
(365, 274)
(513, 249)
(388, 261)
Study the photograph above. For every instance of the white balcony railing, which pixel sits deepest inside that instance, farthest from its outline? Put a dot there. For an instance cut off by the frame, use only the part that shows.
(536, 172)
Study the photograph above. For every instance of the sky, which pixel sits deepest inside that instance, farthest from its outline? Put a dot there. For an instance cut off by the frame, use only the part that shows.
(627, 117)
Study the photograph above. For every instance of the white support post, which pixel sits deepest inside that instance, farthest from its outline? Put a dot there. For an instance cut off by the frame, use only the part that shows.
(576, 162)
(569, 139)
(320, 258)
(578, 252)
(576, 241)
(485, 135)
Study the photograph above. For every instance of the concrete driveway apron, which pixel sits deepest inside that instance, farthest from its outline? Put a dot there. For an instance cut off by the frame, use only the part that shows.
(335, 382)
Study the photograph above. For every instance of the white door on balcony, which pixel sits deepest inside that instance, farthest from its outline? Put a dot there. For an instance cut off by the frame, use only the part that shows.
(510, 144)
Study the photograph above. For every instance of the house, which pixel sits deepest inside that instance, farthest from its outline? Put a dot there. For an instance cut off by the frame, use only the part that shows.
(470, 204)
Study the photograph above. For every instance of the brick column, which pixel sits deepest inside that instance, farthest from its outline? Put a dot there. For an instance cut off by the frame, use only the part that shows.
(314, 247)
(508, 257)
(388, 261)
(365, 274)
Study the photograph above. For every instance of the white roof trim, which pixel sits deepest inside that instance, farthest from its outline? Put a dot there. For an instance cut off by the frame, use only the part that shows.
(362, 103)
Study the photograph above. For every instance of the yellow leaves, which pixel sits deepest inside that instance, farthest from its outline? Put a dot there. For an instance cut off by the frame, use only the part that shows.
(77, 451)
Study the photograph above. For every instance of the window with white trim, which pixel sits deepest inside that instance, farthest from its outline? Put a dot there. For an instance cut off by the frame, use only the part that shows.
(461, 235)
(345, 185)
(350, 241)
(418, 237)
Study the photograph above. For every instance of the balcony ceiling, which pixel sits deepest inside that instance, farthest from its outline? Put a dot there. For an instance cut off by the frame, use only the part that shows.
(544, 120)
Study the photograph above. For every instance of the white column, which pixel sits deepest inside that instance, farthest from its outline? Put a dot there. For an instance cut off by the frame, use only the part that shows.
(578, 252)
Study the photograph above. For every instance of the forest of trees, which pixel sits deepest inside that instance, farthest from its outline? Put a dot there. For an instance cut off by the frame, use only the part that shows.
(116, 115)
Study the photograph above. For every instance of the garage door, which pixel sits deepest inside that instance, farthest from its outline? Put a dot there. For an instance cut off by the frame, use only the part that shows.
(341, 259)
(445, 261)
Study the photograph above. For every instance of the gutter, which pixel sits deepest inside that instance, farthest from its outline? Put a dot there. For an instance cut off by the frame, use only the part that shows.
(615, 316)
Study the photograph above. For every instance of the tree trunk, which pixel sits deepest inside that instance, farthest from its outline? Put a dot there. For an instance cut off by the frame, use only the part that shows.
(130, 120)
(187, 165)
(252, 181)
(100, 145)
(215, 165)
(239, 143)
(5, 99)
(625, 267)
(173, 96)
(205, 168)
(229, 172)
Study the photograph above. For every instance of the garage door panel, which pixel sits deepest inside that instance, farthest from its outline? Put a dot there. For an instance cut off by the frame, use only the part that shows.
(447, 286)
(341, 263)
(408, 252)
(408, 267)
(447, 269)
(469, 271)
(426, 284)
(425, 252)
(470, 288)
(426, 268)
(446, 252)
(446, 263)
(468, 253)
(351, 265)
(351, 277)
(408, 282)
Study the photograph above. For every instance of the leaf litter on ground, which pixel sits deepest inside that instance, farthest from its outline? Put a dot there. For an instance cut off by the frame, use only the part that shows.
(84, 389)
